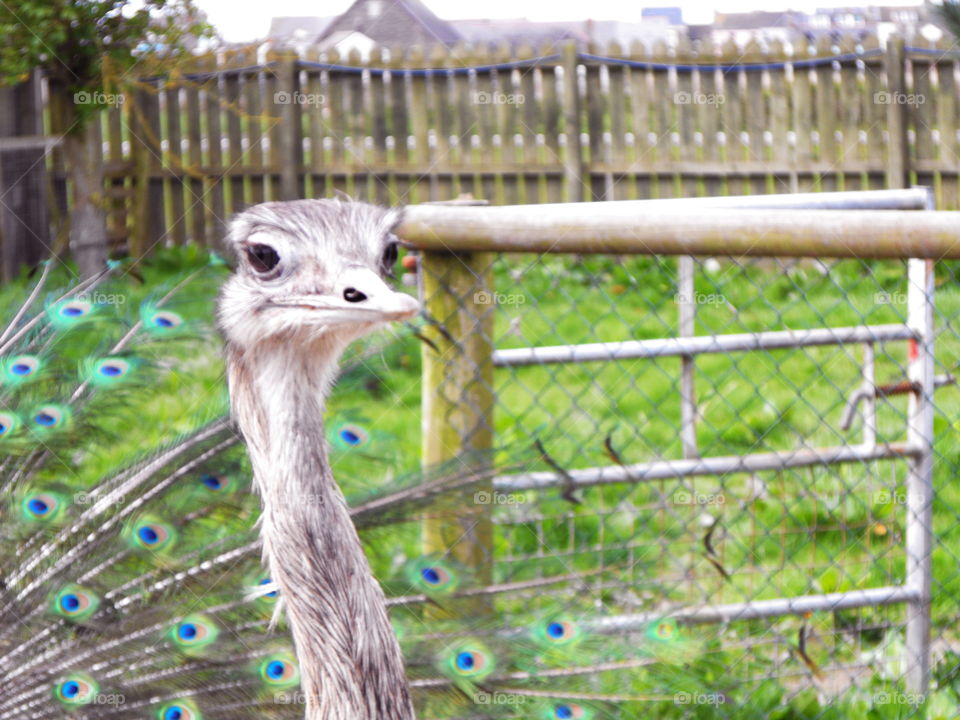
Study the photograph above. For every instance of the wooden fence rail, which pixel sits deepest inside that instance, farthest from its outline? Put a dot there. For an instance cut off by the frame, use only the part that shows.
(546, 124)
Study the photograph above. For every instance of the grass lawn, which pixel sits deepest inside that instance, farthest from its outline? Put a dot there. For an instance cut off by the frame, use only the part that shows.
(777, 534)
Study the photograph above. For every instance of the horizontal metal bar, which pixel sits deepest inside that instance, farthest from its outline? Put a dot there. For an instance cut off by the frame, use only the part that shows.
(616, 228)
(915, 198)
(758, 609)
(717, 465)
(666, 347)
(901, 388)
(29, 142)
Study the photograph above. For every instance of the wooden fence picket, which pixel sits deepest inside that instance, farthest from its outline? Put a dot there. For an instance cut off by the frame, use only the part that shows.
(183, 154)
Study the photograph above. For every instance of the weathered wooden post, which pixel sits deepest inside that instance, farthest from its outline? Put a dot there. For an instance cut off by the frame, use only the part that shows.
(143, 106)
(288, 151)
(574, 179)
(24, 220)
(458, 400)
(898, 147)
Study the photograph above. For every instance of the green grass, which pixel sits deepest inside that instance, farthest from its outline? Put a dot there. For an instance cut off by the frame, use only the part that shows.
(778, 534)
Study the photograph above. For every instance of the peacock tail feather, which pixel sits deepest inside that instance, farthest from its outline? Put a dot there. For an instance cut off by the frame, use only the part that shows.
(131, 582)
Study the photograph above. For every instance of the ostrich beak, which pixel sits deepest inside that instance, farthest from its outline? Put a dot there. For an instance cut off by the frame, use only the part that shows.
(364, 290)
(358, 297)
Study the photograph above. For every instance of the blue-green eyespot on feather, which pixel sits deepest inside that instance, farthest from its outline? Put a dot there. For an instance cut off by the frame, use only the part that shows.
(279, 670)
(666, 642)
(432, 575)
(20, 369)
(9, 424)
(664, 630)
(149, 532)
(194, 634)
(159, 321)
(566, 711)
(468, 661)
(109, 370)
(181, 709)
(68, 313)
(216, 484)
(75, 603)
(76, 689)
(266, 598)
(43, 507)
(349, 435)
(49, 419)
(556, 632)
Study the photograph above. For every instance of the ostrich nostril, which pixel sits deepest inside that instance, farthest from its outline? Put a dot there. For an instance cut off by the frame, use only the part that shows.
(353, 295)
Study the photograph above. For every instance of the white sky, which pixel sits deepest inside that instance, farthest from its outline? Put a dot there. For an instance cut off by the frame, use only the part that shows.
(240, 20)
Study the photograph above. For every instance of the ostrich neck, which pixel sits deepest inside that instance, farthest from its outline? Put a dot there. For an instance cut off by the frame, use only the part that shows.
(350, 662)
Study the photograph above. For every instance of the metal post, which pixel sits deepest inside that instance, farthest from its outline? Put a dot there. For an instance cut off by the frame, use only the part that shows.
(920, 474)
(870, 399)
(688, 403)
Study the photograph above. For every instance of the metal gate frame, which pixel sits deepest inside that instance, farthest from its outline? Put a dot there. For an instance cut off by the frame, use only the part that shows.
(917, 450)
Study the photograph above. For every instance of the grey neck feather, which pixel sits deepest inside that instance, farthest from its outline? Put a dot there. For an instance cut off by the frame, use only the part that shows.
(350, 662)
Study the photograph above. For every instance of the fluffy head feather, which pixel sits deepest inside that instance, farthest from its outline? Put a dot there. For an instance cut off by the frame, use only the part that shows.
(311, 269)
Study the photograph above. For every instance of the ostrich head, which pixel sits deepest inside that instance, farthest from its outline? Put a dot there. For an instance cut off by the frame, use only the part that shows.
(311, 271)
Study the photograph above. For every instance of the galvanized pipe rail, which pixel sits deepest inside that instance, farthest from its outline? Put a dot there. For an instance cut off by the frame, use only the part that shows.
(713, 465)
(701, 344)
(752, 610)
(670, 228)
(868, 224)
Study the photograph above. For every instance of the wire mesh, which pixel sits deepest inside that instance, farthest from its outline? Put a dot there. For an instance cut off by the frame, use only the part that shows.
(711, 539)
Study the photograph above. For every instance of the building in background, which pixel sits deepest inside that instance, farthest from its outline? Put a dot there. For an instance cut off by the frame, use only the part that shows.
(405, 23)
(369, 23)
(296, 31)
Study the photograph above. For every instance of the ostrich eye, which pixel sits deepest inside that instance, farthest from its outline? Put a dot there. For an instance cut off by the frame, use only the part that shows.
(262, 258)
(389, 258)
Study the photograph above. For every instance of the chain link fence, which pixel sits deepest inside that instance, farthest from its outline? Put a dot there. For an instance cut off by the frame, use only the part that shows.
(735, 443)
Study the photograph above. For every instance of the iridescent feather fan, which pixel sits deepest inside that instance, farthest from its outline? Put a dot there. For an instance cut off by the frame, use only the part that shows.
(132, 583)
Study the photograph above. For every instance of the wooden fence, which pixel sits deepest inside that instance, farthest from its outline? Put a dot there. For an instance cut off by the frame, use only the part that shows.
(25, 226)
(539, 125)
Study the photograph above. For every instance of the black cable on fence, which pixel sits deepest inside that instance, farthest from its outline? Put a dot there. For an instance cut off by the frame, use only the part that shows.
(586, 57)
(429, 72)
